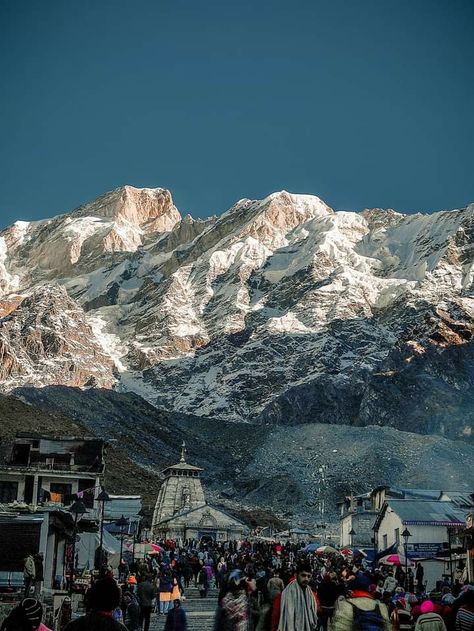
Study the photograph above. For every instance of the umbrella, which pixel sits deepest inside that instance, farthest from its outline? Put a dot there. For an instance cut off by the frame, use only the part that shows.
(346, 552)
(358, 553)
(327, 550)
(396, 559)
(143, 548)
(311, 547)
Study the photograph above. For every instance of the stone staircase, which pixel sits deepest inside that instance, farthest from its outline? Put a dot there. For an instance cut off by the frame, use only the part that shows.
(200, 612)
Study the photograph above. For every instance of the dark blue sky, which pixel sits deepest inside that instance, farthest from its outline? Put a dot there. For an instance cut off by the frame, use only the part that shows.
(362, 102)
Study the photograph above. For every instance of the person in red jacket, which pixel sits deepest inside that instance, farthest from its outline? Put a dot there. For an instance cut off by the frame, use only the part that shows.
(295, 609)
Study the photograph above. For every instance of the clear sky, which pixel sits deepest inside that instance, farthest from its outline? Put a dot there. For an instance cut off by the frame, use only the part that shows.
(361, 102)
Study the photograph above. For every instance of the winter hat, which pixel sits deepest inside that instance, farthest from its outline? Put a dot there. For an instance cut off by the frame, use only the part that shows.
(360, 583)
(33, 611)
(427, 606)
(104, 595)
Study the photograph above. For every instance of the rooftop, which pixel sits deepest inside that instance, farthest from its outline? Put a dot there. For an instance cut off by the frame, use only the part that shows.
(426, 512)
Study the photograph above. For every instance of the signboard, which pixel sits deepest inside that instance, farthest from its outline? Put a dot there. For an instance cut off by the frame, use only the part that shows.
(425, 550)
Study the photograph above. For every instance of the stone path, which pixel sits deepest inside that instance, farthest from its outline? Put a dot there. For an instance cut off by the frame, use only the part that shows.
(200, 612)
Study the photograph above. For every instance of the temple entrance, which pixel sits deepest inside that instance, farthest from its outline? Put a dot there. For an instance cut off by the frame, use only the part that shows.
(206, 536)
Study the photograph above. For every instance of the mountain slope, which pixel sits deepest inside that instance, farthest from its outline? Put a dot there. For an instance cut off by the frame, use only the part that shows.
(278, 311)
(296, 473)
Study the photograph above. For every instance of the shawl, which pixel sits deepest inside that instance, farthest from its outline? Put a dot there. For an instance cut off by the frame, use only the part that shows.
(236, 610)
(298, 609)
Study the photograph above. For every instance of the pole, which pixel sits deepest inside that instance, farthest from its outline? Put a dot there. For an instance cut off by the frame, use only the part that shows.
(450, 556)
(101, 545)
(121, 547)
(73, 560)
(406, 564)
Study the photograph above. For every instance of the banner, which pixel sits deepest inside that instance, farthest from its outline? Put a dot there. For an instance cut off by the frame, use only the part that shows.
(425, 550)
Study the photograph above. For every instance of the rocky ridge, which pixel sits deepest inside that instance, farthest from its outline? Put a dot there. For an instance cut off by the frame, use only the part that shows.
(278, 311)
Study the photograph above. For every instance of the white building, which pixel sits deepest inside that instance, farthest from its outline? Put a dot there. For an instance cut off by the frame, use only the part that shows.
(433, 527)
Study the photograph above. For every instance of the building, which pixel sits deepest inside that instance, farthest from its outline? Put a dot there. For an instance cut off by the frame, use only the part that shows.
(37, 469)
(356, 521)
(51, 531)
(181, 510)
(359, 512)
(434, 527)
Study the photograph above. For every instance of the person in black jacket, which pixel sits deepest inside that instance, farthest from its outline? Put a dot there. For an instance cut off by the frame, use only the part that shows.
(176, 618)
(146, 593)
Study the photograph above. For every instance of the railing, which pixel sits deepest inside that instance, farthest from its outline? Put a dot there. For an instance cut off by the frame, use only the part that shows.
(56, 466)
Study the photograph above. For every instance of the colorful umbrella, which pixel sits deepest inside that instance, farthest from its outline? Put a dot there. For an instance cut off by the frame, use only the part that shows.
(396, 559)
(311, 547)
(327, 550)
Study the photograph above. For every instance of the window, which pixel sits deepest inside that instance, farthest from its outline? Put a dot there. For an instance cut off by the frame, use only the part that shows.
(8, 492)
(385, 546)
(397, 536)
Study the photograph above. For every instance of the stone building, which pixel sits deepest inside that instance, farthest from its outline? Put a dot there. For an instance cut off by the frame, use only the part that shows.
(181, 510)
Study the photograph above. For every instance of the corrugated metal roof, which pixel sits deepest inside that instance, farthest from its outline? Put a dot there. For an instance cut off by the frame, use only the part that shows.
(122, 505)
(460, 498)
(427, 511)
(432, 494)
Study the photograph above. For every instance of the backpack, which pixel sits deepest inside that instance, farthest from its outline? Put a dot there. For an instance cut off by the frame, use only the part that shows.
(368, 620)
(405, 620)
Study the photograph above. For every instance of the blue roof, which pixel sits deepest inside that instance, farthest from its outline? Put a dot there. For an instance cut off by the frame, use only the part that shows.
(428, 512)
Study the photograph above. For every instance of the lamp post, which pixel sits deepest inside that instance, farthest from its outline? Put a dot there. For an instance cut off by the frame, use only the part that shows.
(352, 532)
(102, 498)
(406, 534)
(78, 509)
(374, 541)
(450, 554)
(121, 523)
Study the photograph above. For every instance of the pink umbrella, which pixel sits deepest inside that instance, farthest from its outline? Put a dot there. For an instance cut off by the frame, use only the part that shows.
(155, 547)
(396, 559)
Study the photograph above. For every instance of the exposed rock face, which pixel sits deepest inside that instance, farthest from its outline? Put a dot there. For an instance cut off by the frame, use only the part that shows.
(47, 339)
(86, 239)
(278, 311)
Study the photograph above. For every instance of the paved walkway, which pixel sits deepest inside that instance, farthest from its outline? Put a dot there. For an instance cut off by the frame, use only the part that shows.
(200, 612)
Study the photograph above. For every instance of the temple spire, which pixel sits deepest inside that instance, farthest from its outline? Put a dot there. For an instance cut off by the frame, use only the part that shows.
(183, 452)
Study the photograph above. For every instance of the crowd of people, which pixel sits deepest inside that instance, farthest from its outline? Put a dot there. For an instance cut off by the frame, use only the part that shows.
(264, 586)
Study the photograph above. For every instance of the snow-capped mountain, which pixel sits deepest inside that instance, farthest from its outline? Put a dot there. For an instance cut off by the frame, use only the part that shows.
(279, 310)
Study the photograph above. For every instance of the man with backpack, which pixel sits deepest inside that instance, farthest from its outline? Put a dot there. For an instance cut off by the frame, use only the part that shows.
(360, 611)
(401, 618)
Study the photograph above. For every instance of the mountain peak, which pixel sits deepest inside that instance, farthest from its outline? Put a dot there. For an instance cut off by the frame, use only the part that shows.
(150, 209)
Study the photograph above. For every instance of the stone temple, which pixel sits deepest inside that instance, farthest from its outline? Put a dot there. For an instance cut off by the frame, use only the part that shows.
(181, 511)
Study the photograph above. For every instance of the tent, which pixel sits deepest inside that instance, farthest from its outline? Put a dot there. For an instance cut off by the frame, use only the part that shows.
(88, 544)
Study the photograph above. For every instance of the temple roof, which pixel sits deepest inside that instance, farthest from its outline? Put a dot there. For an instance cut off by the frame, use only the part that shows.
(182, 465)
